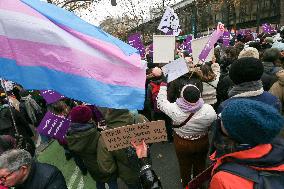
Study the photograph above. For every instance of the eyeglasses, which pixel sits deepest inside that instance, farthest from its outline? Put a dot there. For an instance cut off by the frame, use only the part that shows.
(4, 178)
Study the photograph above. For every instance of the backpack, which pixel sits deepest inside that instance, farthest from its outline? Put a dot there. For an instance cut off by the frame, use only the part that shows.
(262, 179)
(154, 93)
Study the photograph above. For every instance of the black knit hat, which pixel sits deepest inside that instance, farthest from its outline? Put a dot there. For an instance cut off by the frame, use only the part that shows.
(190, 93)
(245, 70)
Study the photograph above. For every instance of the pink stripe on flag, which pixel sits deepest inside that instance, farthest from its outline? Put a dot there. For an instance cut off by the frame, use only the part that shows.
(20, 7)
(71, 61)
(106, 48)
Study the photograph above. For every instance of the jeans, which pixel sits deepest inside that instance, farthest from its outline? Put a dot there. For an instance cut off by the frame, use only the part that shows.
(111, 184)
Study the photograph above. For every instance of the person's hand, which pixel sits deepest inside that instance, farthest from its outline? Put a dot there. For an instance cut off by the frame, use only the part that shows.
(141, 149)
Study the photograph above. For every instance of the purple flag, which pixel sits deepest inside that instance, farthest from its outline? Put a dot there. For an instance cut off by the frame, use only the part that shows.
(267, 28)
(226, 39)
(135, 41)
(186, 45)
(54, 126)
(210, 44)
(50, 96)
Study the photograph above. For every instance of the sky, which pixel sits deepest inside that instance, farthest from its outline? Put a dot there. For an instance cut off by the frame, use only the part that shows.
(101, 10)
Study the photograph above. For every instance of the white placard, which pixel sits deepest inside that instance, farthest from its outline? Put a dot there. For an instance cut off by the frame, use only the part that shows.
(175, 69)
(163, 48)
(197, 46)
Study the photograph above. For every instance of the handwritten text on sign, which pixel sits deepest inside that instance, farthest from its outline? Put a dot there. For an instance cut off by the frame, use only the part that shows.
(119, 138)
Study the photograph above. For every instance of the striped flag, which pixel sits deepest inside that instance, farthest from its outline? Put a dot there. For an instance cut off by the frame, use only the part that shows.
(45, 47)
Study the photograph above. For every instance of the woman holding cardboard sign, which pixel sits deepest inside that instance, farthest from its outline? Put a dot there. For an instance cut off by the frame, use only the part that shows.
(191, 118)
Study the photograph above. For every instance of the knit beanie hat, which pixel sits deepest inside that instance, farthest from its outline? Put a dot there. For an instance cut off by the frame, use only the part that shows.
(251, 122)
(245, 70)
(249, 52)
(190, 93)
(81, 114)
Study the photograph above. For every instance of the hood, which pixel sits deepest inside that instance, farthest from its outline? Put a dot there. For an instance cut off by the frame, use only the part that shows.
(118, 117)
(80, 141)
(280, 76)
(264, 156)
(268, 67)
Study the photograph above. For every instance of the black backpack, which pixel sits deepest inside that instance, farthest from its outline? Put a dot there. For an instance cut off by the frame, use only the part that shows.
(261, 179)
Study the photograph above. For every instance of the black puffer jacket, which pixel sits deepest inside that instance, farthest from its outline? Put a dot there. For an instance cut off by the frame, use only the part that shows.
(44, 176)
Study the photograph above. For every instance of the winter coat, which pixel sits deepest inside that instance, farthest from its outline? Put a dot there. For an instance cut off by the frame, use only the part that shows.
(255, 157)
(265, 97)
(223, 88)
(7, 142)
(197, 125)
(120, 160)
(277, 88)
(43, 176)
(269, 77)
(6, 123)
(84, 143)
(209, 88)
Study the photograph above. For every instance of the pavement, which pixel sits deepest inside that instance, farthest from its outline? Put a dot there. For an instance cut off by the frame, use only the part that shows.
(163, 156)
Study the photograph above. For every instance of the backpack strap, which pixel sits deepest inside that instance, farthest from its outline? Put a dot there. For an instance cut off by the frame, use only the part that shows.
(211, 85)
(240, 170)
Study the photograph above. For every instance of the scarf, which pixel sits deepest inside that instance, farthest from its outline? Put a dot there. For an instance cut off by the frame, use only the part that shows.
(32, 108)
(186, 106)
(247, 89)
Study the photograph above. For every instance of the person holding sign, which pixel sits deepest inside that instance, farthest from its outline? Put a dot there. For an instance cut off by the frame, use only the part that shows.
(83, 139)
(191, 119)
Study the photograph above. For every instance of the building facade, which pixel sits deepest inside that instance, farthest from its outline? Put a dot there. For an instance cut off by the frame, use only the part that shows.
(197, 16)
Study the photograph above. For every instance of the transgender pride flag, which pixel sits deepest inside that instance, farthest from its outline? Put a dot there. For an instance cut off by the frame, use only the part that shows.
(47, 48)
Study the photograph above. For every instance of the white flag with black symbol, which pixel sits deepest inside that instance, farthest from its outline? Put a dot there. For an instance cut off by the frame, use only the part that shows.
(170, 23)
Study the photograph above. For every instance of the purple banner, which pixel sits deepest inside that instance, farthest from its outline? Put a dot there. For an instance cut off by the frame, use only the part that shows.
(210, 44)
(135, 41)
(267, 28)
(54, 126)
(186, 45)
(50, 96)
(226, 39)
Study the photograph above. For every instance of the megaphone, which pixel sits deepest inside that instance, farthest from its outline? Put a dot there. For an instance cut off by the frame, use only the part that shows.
(113, 2)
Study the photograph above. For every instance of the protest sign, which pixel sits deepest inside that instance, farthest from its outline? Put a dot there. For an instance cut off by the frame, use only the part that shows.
(54, 126)
(170, 23)
(135, 41)
(186, 45)
(50, 96)
(212, 40)
(226, 39)
(163, 48)
(121, 137)
(197, 46)
(175, 69)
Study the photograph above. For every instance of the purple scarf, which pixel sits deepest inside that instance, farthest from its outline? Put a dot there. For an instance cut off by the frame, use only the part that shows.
(189, 107)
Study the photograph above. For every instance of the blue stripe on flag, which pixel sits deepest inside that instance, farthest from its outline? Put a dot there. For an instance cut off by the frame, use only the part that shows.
(63, 17)
(75, 87)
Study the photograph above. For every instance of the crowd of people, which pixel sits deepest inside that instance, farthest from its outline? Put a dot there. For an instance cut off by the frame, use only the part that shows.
(226, 114)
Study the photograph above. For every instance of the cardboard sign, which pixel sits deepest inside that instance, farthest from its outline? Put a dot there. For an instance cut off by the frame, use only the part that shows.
(164, 48)
(121, 137)
(175, 69)
(54, 126)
